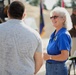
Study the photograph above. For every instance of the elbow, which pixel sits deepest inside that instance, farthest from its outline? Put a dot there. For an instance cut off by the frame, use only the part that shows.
(64, 57)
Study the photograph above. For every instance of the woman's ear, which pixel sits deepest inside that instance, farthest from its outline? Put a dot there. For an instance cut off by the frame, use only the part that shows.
(64, 19)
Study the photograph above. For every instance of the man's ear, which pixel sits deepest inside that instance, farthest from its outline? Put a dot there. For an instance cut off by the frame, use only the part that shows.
(8, 14)
(24, 14)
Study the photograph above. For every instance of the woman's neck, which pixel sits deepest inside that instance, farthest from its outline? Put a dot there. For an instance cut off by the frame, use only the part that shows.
(57, 29)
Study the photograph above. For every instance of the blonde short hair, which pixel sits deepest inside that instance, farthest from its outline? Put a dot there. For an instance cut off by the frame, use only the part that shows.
(64, 13)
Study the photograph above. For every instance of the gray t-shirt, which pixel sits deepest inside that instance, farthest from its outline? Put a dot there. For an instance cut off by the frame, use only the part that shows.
(18, 44)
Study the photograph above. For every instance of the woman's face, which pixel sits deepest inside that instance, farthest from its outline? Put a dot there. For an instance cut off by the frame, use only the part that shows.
(57, 20)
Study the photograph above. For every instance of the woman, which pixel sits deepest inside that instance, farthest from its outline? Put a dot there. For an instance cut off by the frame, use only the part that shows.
(59, 43)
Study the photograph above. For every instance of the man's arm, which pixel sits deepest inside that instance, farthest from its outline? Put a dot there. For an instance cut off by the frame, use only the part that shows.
(38, 57)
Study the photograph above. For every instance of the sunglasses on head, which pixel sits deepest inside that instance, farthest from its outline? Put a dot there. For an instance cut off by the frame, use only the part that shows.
(54, 17)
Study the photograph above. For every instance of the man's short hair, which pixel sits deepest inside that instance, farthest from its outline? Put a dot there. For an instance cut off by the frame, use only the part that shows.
(16, 9)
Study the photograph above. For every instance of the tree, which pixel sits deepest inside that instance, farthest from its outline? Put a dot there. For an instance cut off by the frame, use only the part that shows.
(57, 4)
(34, 2)
(73, 3)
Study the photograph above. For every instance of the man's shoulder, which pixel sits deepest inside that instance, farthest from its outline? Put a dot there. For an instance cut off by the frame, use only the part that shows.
(33, 32)
(3, 24)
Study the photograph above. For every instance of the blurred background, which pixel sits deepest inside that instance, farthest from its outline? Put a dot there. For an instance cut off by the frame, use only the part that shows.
(40, 14)
(33, 10)
(47, 6)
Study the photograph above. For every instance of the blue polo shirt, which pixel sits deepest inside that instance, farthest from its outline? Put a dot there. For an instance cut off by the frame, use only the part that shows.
(58, 42)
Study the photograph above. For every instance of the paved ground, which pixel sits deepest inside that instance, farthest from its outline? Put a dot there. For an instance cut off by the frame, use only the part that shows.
(42, 70)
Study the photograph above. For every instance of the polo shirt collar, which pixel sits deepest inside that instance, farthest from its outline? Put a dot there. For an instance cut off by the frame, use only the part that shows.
(59, 32)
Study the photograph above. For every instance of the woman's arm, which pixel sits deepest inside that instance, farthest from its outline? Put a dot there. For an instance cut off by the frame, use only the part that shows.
(61, 57)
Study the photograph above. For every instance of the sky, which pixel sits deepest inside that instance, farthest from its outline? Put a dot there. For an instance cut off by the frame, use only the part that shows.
(49, 3)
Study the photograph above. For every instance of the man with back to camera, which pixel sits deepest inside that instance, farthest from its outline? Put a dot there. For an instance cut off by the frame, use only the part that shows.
(20, 46)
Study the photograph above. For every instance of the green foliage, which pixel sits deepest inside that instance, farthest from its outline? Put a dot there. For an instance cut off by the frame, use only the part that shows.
(59, 3)
(73, 3)
(34, 2)
(27, 0)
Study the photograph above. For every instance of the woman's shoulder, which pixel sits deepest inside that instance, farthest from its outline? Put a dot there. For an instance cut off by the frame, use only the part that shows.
(65, 34)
